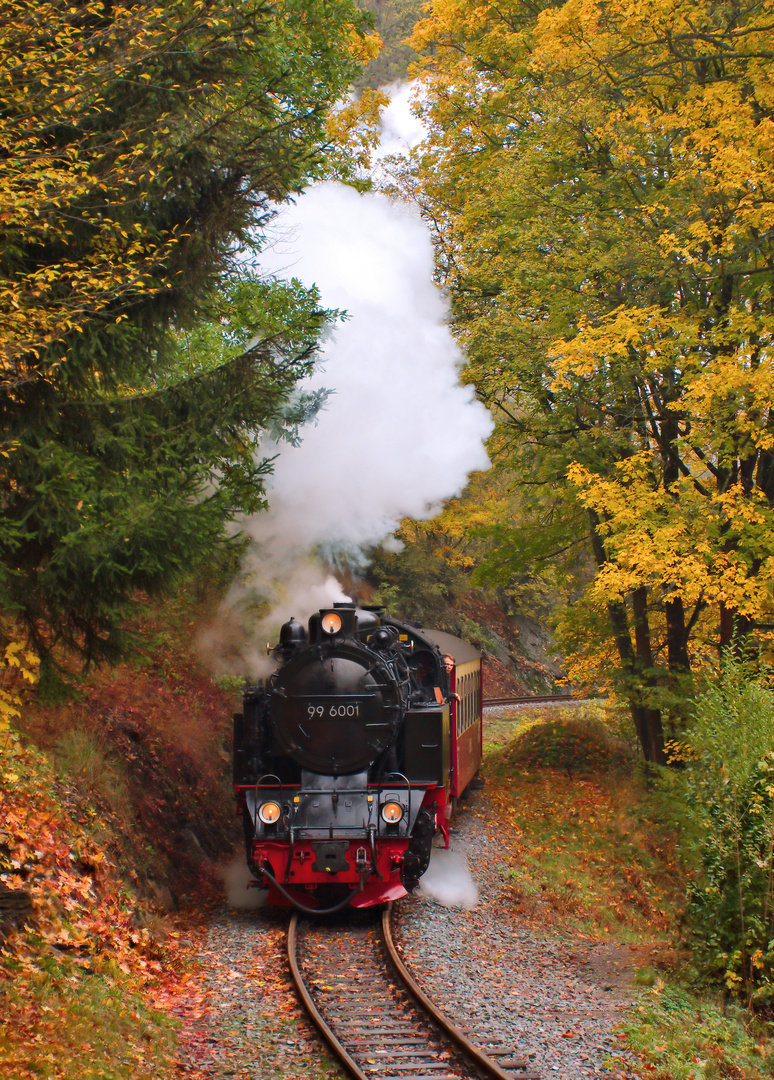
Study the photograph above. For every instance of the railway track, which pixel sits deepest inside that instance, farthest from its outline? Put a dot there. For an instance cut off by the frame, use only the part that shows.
(372, 1014)
(532, 699)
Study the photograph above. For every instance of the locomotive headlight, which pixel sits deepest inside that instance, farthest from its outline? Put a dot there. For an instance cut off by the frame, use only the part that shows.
(331, 623)
(392, 812)
(269, 813)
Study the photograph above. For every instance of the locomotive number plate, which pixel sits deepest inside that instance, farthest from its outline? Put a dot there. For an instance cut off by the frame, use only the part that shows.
(338, 709)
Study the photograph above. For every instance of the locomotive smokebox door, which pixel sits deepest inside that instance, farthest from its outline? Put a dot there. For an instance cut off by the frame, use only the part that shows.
(331, 856)
(334, 710)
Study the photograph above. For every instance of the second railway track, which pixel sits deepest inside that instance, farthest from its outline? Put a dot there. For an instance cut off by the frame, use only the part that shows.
(531, 699)
(374, 1017)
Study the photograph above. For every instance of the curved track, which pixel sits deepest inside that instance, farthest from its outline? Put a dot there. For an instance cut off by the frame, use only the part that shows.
(372, 1014)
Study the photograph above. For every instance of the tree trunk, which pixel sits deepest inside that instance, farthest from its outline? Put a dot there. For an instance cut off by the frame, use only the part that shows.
(735, 630)
(677, 636)
(647, 721)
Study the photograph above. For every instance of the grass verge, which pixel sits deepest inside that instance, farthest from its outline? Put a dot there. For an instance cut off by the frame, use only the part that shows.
(682, 1035)
(61, 1022)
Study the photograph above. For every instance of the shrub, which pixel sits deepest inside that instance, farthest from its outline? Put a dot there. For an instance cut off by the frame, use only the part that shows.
(729, 784)
(578, 742)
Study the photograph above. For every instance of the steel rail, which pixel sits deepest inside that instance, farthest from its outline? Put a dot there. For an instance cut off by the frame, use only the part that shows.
(532, 699)
(481, 1062)
(311, 1008)
(491, 1068)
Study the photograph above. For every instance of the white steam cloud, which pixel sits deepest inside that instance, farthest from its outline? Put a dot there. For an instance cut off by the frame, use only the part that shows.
(238, 883)
(401, 129)
(448, 881)
(398, 434)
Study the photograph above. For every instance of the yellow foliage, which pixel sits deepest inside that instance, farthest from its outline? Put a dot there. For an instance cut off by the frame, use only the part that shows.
(365, 47)
(356, 125)
(679, 752)
(66, 60)
(678, 542)
(17, 662)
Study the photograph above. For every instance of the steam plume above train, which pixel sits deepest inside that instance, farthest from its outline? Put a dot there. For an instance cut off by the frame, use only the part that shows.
(399, 433)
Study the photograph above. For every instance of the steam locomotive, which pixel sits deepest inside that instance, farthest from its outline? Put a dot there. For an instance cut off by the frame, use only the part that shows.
(349, 758)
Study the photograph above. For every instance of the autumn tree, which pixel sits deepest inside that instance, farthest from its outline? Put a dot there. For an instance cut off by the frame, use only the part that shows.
(599, 177)
(144, 146)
